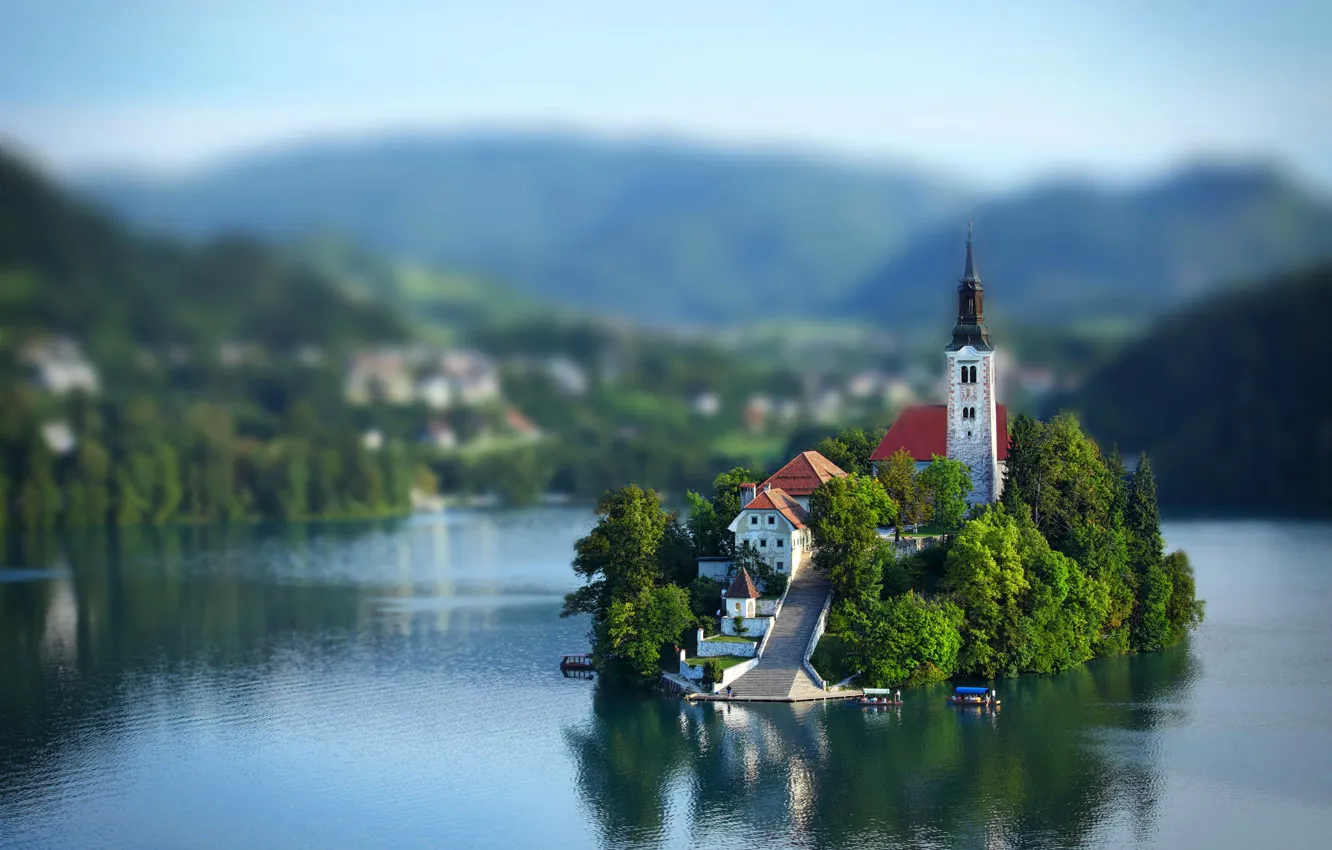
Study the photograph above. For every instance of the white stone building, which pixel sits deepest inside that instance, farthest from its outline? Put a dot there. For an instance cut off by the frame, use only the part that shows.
(972, 426)
(776, 525)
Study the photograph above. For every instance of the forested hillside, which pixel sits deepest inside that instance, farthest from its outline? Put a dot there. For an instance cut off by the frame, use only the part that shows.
(70, 269)
(672, 233)
(1228, 399)
(654, 232)
(1073, 253)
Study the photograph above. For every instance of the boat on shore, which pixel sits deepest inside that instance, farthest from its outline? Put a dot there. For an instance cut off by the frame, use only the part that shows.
(974, 698)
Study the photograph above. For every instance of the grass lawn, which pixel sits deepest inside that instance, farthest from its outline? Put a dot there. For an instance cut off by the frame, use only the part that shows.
(727, 661)
(832, 658)
(730, 639)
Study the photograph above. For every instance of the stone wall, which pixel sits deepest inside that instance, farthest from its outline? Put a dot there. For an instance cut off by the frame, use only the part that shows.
(755, 627)
(769, 607)
(709, 648)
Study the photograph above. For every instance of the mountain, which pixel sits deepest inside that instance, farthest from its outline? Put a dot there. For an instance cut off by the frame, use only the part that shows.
(68, 268)
(1070, 253)
(653, 232)
(1227, 399)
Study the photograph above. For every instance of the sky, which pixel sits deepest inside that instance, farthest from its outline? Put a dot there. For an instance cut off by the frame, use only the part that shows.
(999, 92)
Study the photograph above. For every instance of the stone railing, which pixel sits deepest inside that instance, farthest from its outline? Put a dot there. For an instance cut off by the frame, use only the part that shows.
(819, 626)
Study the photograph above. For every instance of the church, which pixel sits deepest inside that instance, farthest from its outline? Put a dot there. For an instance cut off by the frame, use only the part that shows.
(972, 427)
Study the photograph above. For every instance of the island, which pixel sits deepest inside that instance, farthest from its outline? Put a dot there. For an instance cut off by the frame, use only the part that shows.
(954, 546)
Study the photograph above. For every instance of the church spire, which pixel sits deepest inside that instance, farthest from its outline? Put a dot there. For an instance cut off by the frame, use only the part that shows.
(969, 274)
(970, 328)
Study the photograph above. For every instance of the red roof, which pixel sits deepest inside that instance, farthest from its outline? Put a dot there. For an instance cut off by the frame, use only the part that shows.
(742, 587)
(803, 475)
(923, 431)
(778, 500)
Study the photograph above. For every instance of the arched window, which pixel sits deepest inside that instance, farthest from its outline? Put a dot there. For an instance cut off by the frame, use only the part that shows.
(964, 374)
(973, 375)
(973, 413)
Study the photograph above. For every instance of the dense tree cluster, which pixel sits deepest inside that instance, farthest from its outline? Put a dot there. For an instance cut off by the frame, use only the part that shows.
(133, 464)
(1068, 567)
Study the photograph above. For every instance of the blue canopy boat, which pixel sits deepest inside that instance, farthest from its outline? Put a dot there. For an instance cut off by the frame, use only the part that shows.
(980, 697)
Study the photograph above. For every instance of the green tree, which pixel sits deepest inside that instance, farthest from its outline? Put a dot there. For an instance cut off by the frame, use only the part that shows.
(949, 483)
(845, 516)
(851, 448)
(905, 640)
(726, 505)
(88, 487)
(704, 529)
(986, 579)
(898, 476)
(1142, 519)
(635, 629)
(1184, 612)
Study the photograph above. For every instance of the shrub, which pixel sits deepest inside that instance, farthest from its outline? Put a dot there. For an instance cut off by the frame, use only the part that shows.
(712, 671)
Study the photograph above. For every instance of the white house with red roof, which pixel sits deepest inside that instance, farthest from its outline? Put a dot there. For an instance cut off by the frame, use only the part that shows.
(972, 427)
(774, 515)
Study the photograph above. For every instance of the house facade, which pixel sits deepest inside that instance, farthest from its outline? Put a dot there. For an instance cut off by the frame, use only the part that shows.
(774, 515)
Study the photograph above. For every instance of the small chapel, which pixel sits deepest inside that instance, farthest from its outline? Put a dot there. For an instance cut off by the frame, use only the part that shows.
(972, 426)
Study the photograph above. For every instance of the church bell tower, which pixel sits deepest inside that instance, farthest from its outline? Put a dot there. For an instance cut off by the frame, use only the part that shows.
(971, 398)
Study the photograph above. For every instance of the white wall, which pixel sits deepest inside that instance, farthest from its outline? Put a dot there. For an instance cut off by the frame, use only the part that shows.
(755, 627)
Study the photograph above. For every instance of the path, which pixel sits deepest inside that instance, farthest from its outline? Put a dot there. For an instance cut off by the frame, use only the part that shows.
(780, 674)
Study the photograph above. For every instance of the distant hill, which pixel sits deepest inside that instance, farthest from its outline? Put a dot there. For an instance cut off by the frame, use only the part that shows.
(67, 268)
(663, 233)
(651, 232)
(1228, 399)
(1071, 253)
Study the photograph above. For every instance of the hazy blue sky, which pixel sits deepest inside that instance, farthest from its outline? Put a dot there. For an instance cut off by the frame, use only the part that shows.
(999, 91)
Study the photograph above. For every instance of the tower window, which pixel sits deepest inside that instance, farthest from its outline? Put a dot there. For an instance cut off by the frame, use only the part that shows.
(972, 414)
(973, 375)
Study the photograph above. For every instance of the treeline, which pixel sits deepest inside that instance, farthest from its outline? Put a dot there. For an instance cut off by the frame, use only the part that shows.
(1069, 566)
(134, 464)
(1224, 396)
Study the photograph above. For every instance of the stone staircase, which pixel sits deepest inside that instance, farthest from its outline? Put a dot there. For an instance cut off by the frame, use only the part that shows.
(780, 674)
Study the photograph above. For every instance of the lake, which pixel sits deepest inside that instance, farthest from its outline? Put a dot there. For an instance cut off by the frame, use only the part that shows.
(395, 684)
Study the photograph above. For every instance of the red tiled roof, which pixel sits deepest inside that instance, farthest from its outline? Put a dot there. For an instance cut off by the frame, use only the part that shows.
(778, 500)
(803, 475)
(923, 431)
(742, 587)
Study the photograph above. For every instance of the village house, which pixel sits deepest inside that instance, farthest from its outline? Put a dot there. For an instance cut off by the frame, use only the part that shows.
(774, 515)
(972, 426)
(59, 366)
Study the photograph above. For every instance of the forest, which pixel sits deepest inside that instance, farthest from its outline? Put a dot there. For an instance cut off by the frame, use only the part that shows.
(1226, 397)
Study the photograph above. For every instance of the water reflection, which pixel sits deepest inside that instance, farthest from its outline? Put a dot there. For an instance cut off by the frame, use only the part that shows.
(1067, 757)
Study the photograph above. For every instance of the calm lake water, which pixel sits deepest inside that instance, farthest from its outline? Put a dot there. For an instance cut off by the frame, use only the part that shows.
(396, 685)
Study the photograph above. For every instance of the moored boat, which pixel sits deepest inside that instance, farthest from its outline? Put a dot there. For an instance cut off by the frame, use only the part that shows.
(974, 697)
(879, 697)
